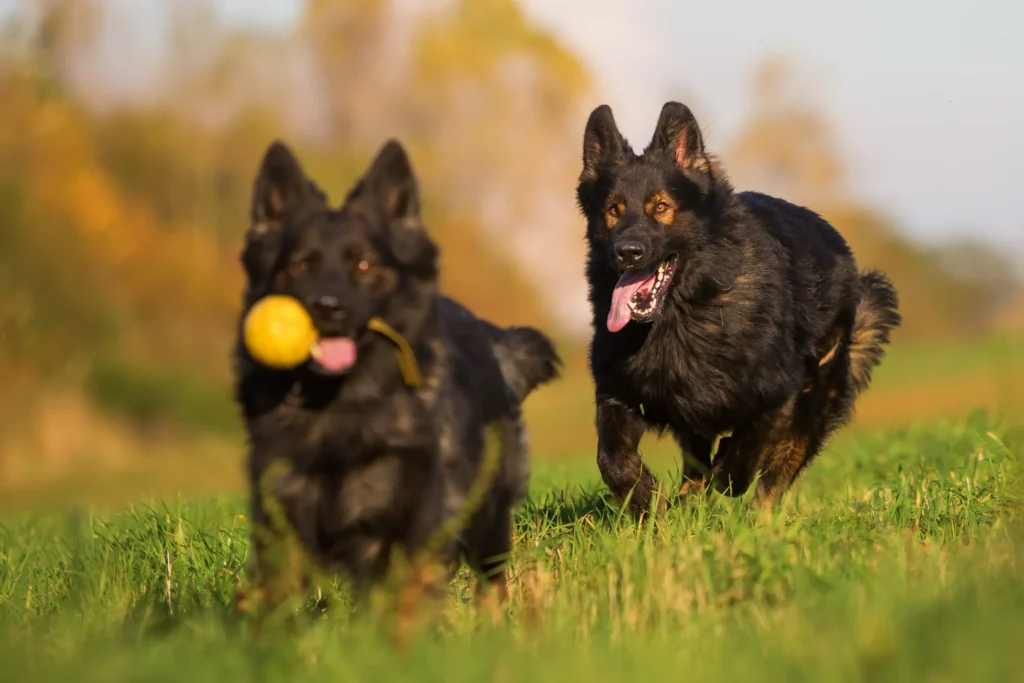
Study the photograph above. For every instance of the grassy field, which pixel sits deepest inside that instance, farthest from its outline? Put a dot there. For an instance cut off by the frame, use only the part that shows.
(896, 558)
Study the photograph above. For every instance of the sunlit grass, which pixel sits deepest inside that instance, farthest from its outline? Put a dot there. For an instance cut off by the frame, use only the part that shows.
(895, 558)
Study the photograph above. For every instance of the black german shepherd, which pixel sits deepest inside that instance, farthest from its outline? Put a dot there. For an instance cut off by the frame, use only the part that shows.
(373, 463)
(736, 321)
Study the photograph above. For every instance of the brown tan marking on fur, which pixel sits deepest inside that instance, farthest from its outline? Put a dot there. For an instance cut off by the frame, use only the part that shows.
(784, 460)
(666, 216)
(728, 290)
(830, 355)
(613, 213)
(693, 486)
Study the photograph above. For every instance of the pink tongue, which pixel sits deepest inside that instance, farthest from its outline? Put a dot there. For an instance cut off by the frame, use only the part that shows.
(627, 286)
(336, 353)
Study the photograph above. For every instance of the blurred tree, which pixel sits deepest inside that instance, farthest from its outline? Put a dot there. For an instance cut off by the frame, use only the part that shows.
(494, 100)
(351, 45)
(64, 31)
(787, 148)
(484, 100)
(46, 317)
(146, 203)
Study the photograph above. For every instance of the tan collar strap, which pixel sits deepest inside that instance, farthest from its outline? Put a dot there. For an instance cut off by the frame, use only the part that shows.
(406, 358)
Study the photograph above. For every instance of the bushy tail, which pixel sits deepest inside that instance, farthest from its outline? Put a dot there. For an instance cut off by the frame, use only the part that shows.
(527, 358)
(876, 318)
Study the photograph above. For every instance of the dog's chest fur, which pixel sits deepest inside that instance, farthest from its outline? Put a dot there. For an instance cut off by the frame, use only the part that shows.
(358, 476)
(721, 351)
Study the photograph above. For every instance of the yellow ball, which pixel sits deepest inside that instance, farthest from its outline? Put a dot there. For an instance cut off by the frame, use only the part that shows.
(279, 332)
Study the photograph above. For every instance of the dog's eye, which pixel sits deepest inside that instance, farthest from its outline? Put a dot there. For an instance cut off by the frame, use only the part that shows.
(302, 267)
(364, 266)
(614, 211)
(661, 207)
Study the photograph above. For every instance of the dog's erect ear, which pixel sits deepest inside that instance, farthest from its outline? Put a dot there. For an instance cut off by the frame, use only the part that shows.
(392, 181)
(392, 184)
(677, 132)
(602, 141)
(280, 184)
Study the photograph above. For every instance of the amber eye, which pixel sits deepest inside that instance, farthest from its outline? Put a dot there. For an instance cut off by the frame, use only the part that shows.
(302, 267)
(614, 211)
(661, 207)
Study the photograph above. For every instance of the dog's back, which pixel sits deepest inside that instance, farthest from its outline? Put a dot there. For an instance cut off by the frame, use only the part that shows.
(526, 357)
(826, 285)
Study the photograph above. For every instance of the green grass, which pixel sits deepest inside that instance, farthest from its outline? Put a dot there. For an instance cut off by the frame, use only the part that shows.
(895, 559)
(936, 362)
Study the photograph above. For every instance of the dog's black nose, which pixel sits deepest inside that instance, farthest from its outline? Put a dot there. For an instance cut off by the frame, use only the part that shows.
(328, 308)
(629, 253)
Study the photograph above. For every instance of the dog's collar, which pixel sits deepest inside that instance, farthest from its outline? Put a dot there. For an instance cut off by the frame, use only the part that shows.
(406, 358)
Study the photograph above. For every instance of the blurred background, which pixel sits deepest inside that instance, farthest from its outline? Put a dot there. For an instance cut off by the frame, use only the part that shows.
(130, 131)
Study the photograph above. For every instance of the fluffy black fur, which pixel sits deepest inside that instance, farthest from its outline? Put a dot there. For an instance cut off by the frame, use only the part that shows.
(373, 464)
(757, 321)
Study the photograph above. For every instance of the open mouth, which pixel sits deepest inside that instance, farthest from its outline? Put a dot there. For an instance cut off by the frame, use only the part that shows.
(640, 294)
(333, 355)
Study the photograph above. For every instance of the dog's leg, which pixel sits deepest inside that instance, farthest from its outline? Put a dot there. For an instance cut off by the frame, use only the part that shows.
(772, 450)
(697, 464)
(496, 550)
(619, 430)
(278, 565)
(802, 427)
(495, 555)
(783, 459)
(768, 449)
(736, 460)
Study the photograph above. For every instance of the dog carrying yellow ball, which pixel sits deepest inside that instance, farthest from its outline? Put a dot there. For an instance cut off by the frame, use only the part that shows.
(278, 332)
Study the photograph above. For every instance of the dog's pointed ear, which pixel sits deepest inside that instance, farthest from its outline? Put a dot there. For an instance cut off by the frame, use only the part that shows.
(391, 179)
(393, 185)
(678, 134)
(602, 141)
(280, 184)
